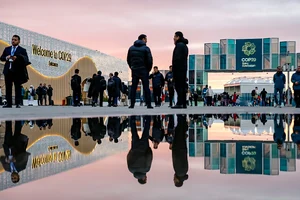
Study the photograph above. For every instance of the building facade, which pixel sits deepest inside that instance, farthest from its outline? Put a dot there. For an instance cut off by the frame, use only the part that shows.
(53, 61)
(240, 55)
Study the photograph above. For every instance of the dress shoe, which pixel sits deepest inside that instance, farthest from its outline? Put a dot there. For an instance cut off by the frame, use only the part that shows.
(6, 106)
(131, 107)
(18, 106)
(149, 107)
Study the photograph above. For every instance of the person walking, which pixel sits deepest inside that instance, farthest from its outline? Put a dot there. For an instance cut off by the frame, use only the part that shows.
(263, 95)
(139, 59)
(209, 96)
(170, 84)
(158, 83)
(15, 71)
(279, 83)
(296, 86)
(179, 64)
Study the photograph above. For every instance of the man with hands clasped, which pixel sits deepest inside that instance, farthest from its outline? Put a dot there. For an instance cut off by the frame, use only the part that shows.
(296, 86)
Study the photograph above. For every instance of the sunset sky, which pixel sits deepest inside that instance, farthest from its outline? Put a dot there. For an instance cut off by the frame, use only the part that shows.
(112, 26)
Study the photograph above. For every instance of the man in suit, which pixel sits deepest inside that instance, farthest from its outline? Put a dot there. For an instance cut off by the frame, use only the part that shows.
(16, 60)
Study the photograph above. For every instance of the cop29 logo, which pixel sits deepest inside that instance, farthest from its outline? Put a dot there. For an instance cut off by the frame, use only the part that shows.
(249, 48)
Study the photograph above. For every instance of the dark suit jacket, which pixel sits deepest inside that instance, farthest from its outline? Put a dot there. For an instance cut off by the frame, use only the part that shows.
(18, 66)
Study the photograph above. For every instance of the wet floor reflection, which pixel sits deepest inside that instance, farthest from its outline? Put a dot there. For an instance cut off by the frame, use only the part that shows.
(257, 144)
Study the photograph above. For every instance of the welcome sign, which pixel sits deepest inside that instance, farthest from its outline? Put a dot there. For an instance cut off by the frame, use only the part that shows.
(249, 54)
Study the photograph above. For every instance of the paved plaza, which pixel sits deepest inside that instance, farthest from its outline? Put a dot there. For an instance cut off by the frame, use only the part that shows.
(47, 112)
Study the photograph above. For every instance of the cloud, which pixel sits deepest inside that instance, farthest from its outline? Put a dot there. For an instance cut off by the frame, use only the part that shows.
(112, 26)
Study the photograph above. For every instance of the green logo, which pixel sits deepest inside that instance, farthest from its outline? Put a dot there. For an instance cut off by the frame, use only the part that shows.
(249, 164)
(249, 48)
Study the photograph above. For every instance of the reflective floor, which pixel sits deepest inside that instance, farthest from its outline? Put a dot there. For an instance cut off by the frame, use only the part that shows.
(218, 156)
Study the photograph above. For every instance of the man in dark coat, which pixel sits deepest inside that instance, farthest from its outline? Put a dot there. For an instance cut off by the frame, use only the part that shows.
(158, 83)
(140, 156)
(118, 88)
(50, 94)
(76, 87)
(279, 134)
(179, 64)
(98, 86)
(139, 59)
(111, 88)
(170, 83)
(14, 146)
(15, 71)
(179, 152)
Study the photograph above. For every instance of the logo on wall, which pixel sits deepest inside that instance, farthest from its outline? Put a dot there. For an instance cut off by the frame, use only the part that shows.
(249, 55)
(249, 48)
(248, 158)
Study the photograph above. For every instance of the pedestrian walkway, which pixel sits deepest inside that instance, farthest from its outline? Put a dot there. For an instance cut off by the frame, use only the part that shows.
(47, 112)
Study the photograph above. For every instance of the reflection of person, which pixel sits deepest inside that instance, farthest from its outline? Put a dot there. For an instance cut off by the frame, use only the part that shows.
(296, 130)
(179, 152)
(279, 134)
(97, 128)
(14, 146)
(15, 72)
(139, 158)
(157, 131)
(170, 131)
(114, 129)
(75, 130)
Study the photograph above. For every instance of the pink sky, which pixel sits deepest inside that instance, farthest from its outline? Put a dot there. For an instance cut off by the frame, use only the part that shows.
(112, 26)
(110, 179)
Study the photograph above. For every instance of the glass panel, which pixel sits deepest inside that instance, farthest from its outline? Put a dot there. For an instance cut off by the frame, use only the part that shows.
(282, 59)
(192, 62)
(275, 48)
(266, 62)
(266, 46)
(231, 62)
(291, 49)
(298, 56)
(223, 61)
(275, 61)
(199, 62)
(207, 48)
(223, 46)
(191, 76)
(216, 49)
(199, 77)
(231, 41)
(215, 62)
(283, 47)
(231, 48)
(207, 62)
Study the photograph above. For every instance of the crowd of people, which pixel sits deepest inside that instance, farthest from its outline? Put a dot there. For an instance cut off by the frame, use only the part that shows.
(140, 61)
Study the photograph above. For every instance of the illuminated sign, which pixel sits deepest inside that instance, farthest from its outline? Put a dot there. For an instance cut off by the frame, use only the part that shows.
(248, 158)
(51, 157)
(249, 55)
(60, 55)
(53, 64)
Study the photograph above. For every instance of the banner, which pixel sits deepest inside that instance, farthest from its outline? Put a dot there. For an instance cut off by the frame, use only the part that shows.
(249, 55)
(248, 158)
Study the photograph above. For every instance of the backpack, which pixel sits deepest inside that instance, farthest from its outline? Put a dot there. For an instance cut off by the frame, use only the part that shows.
(253, 93)
(111, 84)
(74, 83)
(33, 93)
(103, 84)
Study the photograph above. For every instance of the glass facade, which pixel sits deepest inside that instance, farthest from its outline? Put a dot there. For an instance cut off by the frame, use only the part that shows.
(298, 59)
(288, 47)
(31, 41)
(222, 56)
(198, 77)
